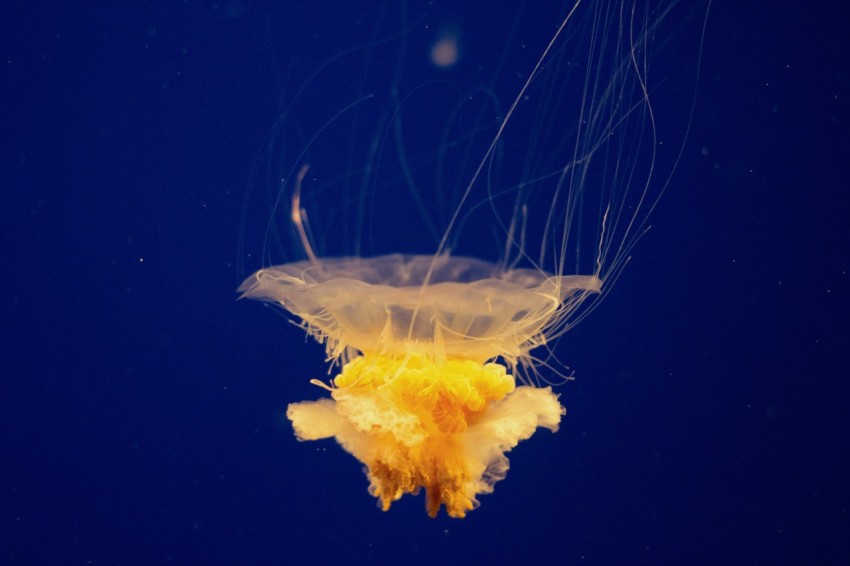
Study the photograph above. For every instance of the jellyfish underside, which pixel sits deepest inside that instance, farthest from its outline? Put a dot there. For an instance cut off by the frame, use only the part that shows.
(420, 400)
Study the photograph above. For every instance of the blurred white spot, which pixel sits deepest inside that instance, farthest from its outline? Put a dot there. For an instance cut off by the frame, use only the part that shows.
(444, 52)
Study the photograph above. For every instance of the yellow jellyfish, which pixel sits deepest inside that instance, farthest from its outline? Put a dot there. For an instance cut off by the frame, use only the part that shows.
(420, 401)
(429, 346)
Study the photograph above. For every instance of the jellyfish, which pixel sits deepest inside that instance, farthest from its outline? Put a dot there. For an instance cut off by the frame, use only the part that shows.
(438, 357)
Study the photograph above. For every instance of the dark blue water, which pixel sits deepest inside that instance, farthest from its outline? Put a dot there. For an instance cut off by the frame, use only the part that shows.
(142, 407)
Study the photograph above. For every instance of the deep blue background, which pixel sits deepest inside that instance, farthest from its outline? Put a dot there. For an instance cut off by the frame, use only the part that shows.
(141, 406)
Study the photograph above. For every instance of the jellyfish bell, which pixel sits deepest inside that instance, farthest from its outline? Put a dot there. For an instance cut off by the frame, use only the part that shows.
(469, 308)
(429, 344)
